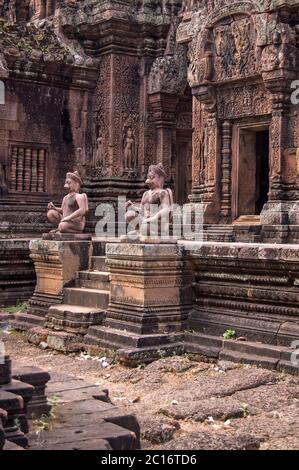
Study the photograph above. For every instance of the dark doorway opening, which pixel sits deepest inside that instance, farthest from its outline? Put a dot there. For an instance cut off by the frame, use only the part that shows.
(183, 167)
(262, 169)
(253, 170)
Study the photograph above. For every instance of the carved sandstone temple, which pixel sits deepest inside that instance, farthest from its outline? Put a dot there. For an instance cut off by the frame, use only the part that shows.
(209, 88)
(110, 87)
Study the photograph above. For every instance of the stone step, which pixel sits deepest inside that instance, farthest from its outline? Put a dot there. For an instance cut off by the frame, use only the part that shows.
(93, 280)
(94, 298)
(98, 263)
(24, 321)
(255, 349)
(247, 352)
(109, 336)
(206, 345)
(243, 358)
(133, 355)
(73, 318)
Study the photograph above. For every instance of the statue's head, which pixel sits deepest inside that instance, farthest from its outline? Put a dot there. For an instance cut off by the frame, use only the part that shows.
(73, 182)
(156, 176)
(129, 132)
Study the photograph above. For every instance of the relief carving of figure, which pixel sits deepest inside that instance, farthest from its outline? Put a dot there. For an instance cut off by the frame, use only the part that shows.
(129, 149)
(99, 152)
(12, 14)
(283, 52)
(70, 217)
(225, 50)
(162, 199)
(241, 32)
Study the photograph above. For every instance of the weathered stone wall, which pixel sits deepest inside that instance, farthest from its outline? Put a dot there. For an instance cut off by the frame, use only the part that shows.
(250, 288)
(17, 274)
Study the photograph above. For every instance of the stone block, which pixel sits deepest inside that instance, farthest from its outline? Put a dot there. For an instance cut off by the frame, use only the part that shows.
(38, 405)
(5, 371)
(14, 406)
(64, 342)
(37, 335)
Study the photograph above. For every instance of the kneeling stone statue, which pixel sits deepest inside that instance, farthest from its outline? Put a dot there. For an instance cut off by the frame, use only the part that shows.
(70, 217)
(153, 217)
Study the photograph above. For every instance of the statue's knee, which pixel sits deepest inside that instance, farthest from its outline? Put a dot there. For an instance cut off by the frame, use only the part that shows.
(130, 215)
(62, 227)
(52, 215)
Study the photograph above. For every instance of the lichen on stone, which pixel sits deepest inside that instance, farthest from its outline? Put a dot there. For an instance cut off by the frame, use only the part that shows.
(31, 40)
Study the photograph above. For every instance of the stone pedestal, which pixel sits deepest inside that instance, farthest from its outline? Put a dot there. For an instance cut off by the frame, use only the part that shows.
(38, 405)
(56, 262)
(22, 396)
(12, 400)
(150, 299)
(14, 407)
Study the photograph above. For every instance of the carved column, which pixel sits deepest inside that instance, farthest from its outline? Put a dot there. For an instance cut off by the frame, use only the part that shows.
(164, 106)
(34, 170)
(206, 155)
(278, 82)
(20, 176)
(27, 169)
(41, 170)
(278, 143)
(13, 169)
(226, 166)
(50, 7)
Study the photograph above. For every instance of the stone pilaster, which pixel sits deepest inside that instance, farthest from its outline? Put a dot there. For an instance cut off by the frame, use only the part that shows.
(226, 166)
(163, 106)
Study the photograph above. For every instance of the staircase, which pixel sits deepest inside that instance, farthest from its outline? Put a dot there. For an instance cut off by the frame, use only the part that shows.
(84, 302)
(239, 231)
(218, 233)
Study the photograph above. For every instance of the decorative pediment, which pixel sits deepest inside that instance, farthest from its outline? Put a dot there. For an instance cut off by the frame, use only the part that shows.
(234, 40)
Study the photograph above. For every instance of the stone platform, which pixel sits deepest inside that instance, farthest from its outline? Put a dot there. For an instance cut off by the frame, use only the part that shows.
(143, 300)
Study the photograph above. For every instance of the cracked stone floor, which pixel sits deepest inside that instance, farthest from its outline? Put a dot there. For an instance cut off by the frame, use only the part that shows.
(182, 403)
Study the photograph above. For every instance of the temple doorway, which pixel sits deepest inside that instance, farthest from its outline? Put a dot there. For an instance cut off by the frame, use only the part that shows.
(252, 172)
(183, 167)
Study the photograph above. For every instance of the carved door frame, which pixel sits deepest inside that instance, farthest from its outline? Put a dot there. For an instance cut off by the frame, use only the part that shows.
(256, 124)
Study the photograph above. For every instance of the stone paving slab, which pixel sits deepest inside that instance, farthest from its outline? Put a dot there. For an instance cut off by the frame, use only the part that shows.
(269, 397)
(85, 420)
(89, 444)
(222, 409)
(209, 440)
(272, 425)
(82, 394)
(55, 387)
(118, 438)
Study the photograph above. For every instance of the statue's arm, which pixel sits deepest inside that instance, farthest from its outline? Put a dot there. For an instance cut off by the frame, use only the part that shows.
(51, 206)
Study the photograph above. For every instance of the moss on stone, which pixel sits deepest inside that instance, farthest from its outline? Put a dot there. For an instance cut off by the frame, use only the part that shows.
(29, 38)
